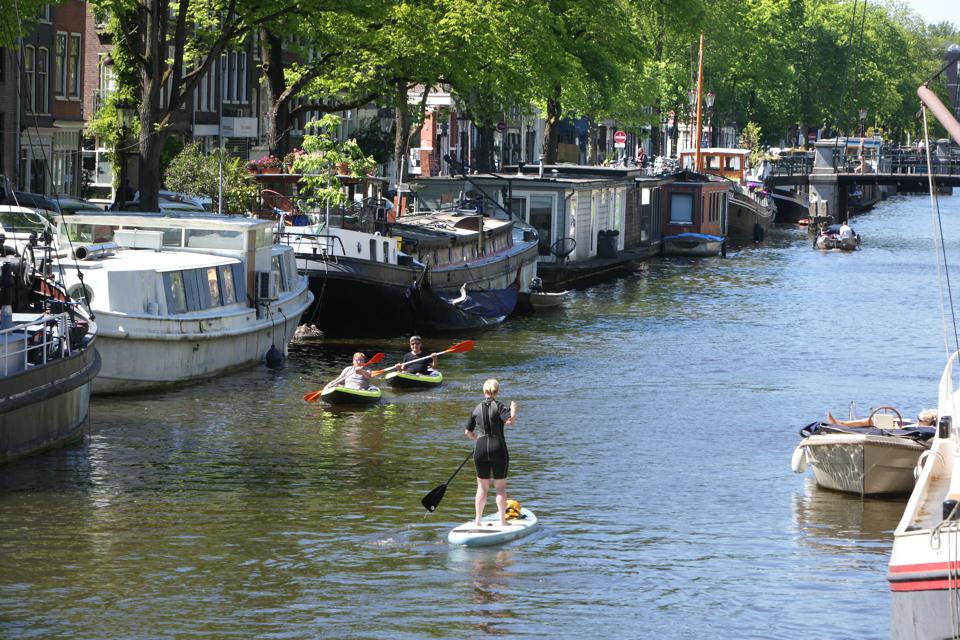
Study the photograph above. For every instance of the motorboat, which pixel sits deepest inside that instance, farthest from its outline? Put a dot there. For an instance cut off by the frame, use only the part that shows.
(181, 296)
(48, 360)
(693, 244)
(925, 563)
(539, 300)
(828, 239)
(867, 457)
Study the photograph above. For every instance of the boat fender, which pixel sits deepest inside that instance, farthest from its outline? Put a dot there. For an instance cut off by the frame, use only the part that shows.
(799, 461)
(274, 356)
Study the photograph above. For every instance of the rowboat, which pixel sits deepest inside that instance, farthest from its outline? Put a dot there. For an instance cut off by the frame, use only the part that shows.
(405, 380)
(692, 244)
(344, 395)
(491, 533)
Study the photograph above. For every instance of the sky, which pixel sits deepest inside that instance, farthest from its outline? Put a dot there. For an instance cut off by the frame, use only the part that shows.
(936, 10)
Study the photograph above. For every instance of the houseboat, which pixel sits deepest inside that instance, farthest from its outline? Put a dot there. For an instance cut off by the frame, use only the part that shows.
(591, 222)
(750, 210)
(425, 272)
(694, 215)
(181, 297)
(48, 360)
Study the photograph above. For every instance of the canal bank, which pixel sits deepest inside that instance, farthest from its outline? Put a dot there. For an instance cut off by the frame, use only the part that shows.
(657, 419)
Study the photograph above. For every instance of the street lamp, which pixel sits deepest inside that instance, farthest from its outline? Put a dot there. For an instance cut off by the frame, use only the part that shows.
(710, 98)
(463, 129)
(125, 115)
(386, 116)
(663, 133)
(863, 119)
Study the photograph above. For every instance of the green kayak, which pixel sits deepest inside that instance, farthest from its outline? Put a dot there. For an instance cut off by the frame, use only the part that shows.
(404, 380)
(343, 395)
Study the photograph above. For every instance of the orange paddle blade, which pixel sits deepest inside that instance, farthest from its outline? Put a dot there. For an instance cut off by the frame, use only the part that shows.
(460, 347)
(313, 395)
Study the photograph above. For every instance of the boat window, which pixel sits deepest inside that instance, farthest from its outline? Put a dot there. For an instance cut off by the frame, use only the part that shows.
(264, 237)
(541, 219)
(176, 292)
(173, 237)
(373, 250)
(681, 208)
(711, 162)
(449, 254)
(239, 281)
(226, 280)
(386, 251)
(732, 163)
(213, 239)
(213, 286)
(279, 270)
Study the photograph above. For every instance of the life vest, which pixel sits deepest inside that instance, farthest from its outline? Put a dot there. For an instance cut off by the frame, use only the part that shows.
(513, 510)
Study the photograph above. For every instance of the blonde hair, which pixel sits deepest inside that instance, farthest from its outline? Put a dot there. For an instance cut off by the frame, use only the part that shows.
(491, 386)
(359, 354)
(928, 416)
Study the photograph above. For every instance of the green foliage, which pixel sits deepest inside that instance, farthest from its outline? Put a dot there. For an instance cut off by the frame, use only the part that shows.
(194, 173)
(371, 137)
(322, 154)
(750, 138)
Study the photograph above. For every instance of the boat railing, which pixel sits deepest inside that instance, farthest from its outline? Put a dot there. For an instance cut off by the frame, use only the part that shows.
(759, 197)
(320, 245)
(32, 344)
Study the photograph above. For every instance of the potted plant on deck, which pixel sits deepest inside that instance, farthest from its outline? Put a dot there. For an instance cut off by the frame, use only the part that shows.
(267, 164)
(324, 159)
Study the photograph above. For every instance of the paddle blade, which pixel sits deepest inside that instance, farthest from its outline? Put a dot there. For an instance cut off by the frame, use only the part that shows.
(432, 499)
(313, 395)
(461, 347)
(377, 357)
(378, 372)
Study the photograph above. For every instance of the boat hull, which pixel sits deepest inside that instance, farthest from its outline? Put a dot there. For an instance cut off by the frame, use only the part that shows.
(834, 243)
(345, 396)
(692, 244)
(404, 380)
(747, 219)
(863, 464)
(47, 406)
(182, 350)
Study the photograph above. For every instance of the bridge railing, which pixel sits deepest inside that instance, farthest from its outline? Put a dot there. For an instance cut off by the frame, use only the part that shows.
(891, 162)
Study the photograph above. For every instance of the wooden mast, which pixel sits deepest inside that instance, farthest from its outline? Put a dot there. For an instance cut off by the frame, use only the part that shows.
(698, 165)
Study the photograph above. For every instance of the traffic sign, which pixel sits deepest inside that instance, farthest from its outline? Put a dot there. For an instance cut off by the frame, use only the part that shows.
(501, 126)
(620, 137)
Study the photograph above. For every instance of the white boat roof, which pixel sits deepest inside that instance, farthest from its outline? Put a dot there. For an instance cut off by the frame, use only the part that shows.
(449, 222)
(729, 151)
(184, 220)
(147, 260)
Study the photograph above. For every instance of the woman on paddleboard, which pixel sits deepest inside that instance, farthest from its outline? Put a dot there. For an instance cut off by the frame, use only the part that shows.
(486, 428)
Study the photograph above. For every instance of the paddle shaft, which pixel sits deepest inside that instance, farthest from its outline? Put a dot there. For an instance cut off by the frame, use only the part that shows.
(465, 461)
(381, 371)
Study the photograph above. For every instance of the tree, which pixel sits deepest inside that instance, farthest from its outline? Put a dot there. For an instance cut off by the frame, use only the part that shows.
(195, 173)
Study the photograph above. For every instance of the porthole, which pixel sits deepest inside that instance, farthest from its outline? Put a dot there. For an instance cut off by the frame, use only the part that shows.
(80, 296)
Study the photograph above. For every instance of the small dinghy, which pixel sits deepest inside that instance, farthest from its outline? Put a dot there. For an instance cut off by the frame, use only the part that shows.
(405, 380)
(343, 395)
(491, 533)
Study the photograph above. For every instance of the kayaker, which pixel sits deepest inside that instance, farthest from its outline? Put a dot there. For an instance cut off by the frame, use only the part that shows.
(355, 376)
(416, 352)
(486, 428)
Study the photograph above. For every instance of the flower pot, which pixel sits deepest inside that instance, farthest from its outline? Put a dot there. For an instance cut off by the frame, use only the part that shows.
(343, 168)
(270, 170)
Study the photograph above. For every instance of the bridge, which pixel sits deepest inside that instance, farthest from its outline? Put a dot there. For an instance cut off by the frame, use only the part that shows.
(836, 166)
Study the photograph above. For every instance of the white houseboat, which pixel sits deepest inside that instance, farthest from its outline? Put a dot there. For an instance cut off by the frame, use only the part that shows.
(180, 297)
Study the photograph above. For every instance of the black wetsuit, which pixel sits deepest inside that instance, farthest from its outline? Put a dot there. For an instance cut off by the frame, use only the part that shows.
(421, 367)
(490, 451)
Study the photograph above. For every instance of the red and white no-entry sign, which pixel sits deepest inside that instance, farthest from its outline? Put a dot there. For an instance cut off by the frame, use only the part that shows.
(620, 137)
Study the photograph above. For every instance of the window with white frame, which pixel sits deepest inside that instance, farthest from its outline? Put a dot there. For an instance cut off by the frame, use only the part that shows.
(45, 14)
(66, 146)
(233, 67)
(42, 94)
(29, 75)
(204, 96)
(73, 66)
(60, 63)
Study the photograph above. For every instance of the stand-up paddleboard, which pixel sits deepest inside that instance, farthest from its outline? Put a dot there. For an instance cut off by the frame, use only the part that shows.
(404, 380)
(490, 532)
(343, 395)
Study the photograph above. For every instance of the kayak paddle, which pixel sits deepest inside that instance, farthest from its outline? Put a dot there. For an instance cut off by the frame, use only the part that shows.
(432, 499)
(313, 395)
(460, 347)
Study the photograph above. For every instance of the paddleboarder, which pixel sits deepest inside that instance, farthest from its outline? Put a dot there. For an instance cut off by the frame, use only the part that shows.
(416, 353)
(486, 428)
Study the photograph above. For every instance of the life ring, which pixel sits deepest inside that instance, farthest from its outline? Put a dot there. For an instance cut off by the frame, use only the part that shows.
(799, 461)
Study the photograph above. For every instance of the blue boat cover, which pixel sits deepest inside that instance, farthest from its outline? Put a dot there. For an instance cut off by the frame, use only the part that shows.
(695, 236)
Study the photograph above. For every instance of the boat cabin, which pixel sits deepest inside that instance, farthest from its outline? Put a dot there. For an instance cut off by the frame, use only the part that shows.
(725, 162)
(694, 203)
(577, 212)
(198, 261)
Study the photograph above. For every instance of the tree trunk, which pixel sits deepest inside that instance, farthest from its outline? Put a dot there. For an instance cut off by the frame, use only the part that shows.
(484, 160)
(152, 137)
(551, 130)
(274, 83)
(592, 130)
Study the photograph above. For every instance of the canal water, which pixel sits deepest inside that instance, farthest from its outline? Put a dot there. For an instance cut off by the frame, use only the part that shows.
(657, 418)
